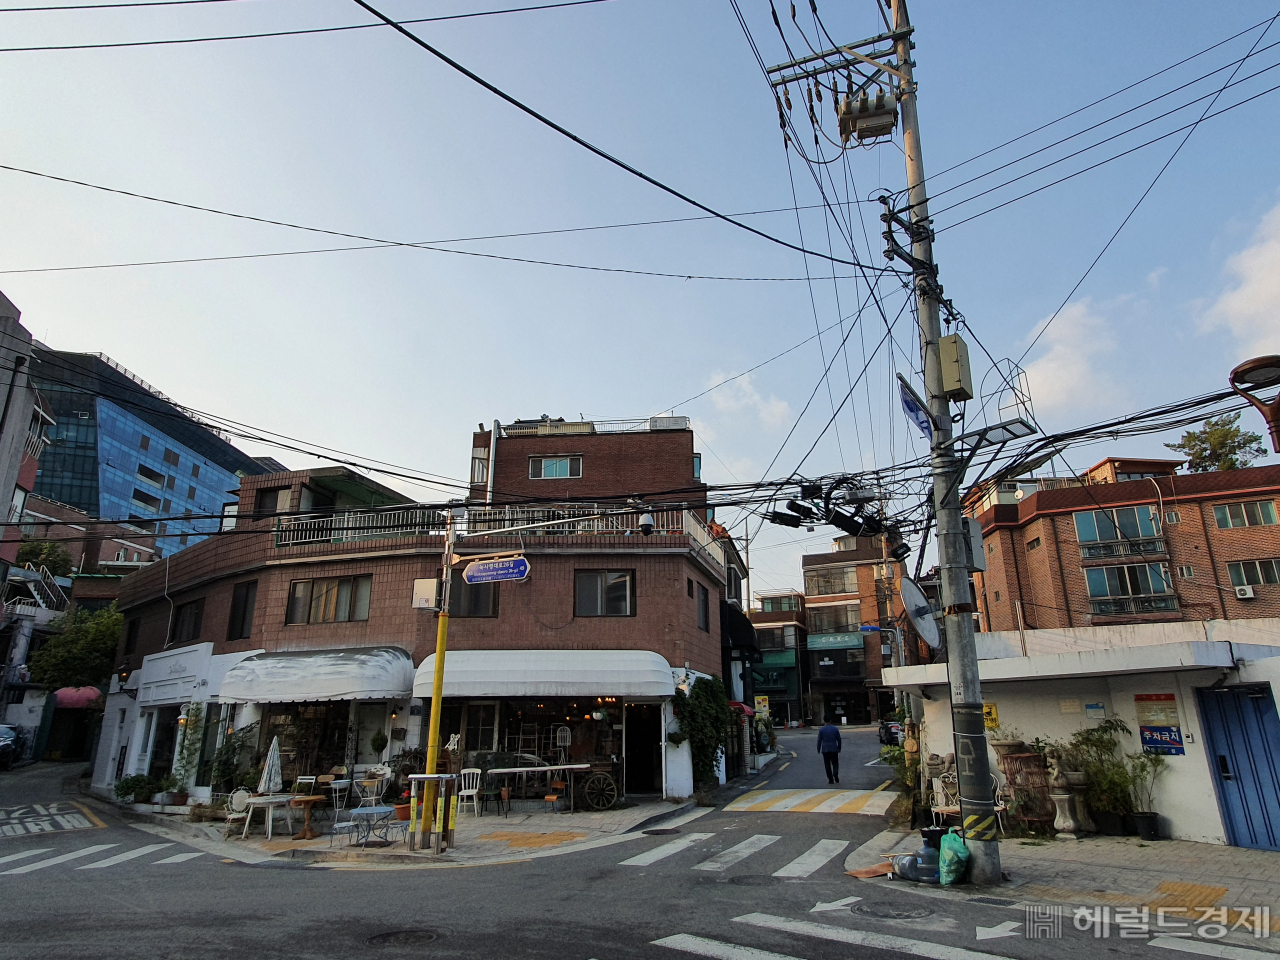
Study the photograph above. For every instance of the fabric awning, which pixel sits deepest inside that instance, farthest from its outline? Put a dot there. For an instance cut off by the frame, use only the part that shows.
(549, 673)
(741, 708)
(77, 698)
(295, 676)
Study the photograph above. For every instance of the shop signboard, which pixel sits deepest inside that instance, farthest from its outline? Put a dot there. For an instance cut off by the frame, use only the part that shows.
(762, 705)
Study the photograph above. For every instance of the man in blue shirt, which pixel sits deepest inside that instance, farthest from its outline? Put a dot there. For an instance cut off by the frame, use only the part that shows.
(829, 747)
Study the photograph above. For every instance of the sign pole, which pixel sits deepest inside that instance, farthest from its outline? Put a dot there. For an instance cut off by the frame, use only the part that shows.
(437, 684)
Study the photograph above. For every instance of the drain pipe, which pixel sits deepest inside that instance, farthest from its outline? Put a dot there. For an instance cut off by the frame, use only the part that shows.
(169, 629)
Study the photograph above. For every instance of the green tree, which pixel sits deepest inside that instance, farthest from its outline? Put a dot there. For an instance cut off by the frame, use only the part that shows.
(83, 653)
(704, 721)
(45, 553)
(1219, 445)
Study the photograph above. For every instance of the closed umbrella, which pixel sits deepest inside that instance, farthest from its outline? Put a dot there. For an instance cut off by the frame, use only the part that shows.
(272, 781)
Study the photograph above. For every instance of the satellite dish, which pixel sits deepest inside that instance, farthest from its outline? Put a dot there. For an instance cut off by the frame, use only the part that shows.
(1019, 494)
(919, 612)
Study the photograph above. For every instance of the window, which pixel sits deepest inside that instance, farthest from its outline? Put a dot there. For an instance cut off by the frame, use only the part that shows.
(1256, 513)
(697, 466)
(331, 600)
(191, 493)
(997, 596)
(991, 548)
(479, 464)
(167, 506)
(186, 511)
(779, 604)
(604, 593)
(149, 475)
(131, 636)
(229, 511)
(187, 619)
(1172, 516)
(839, 618)
(182, 540)
(824, 581)
(776, 638)
(1186, 572)
(555, 468)
(1135, 580)
(169, 482)
(688, 586)
(733, 586)
(704, 609)
(1033, 543)
(1123, 523)
(195, 470)
(1254, 572)
(146, 499)
(144, 443)
(171, 457)
(472, 600)
(243, 596)
(272, 501)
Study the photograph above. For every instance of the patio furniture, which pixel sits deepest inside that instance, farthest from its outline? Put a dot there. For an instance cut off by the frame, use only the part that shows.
(306, 802)
(269, 803)
(348, 828)
(553, 798)
(303, 785)
(568, 769)
(237, 809)
(339, 791)
(374, 821)
(369, 790)
(495, 794)
(468, 787)
(944, 801)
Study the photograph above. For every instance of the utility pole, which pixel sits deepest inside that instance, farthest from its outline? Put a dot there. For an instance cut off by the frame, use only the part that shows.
(977, 805)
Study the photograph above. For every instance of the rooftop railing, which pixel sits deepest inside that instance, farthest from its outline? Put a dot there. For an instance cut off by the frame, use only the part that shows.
(1122, 548)
(1124, 606)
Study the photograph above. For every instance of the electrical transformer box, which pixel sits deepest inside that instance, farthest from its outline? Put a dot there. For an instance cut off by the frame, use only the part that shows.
(957, 382)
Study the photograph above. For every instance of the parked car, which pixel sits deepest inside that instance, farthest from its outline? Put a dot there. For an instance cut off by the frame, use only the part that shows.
(891, 732)
(10, 746)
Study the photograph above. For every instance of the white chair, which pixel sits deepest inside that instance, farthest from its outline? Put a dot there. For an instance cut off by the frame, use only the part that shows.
(468, 788)
(237, 809)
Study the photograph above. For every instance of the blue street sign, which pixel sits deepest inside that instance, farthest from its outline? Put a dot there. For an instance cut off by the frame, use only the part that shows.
(493, 571)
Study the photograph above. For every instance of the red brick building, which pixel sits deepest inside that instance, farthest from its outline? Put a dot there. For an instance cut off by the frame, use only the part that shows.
(96, 546)
(1163, 547)
(301, 617)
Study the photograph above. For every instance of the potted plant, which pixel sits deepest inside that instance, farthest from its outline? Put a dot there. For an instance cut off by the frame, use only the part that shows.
(1006, 740)
(1143, 769)
(136, 788)
(1108, 785)
(403, 806)
(378, 742)
(164, 793)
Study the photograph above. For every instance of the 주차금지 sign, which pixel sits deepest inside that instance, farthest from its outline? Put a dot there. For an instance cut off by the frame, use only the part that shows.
(1158, 723)
(495, 571)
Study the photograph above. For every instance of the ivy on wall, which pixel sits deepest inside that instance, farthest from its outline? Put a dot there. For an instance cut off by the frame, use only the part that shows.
(703, 714)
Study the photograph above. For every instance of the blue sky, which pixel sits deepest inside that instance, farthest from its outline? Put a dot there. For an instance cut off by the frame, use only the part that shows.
(397, 354)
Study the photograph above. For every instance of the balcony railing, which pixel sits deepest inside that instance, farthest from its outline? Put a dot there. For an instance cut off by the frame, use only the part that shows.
(1124, 606)
(354, 527)
(1122, 548)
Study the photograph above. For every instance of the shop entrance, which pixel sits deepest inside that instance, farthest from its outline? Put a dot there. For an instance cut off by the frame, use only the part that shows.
(166, 737)
(642, 741)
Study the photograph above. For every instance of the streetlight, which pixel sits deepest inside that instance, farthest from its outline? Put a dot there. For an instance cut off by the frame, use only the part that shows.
(1259, 374)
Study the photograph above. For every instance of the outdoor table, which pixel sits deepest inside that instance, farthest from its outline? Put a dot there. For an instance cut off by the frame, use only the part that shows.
(268, 803)
(569, 768)
(306, 802)
(370, 819)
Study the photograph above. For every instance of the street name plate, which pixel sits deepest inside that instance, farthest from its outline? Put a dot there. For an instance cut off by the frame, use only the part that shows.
(494, 571)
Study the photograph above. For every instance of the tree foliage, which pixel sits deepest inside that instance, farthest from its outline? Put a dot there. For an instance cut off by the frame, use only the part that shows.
(704, 720)
(83, 653)
(45, 553)
(1219, 445)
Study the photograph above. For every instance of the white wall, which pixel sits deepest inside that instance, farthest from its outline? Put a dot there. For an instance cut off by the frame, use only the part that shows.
(1008, 643)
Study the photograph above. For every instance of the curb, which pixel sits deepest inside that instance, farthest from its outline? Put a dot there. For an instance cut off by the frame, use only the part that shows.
(675, 811)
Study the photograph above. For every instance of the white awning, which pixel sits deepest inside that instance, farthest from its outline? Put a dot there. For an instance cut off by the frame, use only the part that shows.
(549, 673)
(361, 673)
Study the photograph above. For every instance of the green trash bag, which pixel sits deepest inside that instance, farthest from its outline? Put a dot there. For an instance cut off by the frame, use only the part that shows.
(953, 862)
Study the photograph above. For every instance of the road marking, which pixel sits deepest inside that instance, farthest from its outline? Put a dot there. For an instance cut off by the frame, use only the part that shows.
(815, 857)
(666, 850)
(784, 766)
(180, 858)
(871, 802)
(876, 762)
(864, 938)
(52, 861)
(801, 802)
(739, 851)
(127, 855)
(1209, 949)
(840, 904)
(1007, 929)
(26, 853)
(715, 948)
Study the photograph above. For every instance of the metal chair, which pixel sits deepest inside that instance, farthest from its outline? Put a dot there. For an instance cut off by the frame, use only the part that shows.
(468, 788)
(237, 809)
(564, 740)
(369, 791)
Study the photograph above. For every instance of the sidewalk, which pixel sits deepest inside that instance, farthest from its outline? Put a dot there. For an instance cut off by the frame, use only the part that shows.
(1115, 871)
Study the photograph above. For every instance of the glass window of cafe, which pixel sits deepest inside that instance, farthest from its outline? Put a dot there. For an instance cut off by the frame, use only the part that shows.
(551, 729)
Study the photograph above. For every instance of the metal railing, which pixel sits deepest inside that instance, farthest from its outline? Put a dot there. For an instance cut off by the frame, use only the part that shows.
(354, 527)
(1122, 548)
(1124, 606)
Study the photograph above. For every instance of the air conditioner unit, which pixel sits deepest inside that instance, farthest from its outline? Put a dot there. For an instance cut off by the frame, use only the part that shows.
(1244, 593)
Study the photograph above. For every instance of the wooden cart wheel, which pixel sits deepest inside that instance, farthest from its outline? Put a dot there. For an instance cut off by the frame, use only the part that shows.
(600, 791)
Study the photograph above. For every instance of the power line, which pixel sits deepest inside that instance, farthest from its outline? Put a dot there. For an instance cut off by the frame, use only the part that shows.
(110, 6)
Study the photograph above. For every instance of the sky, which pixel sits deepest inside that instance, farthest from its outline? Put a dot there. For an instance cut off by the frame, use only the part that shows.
(396, 354)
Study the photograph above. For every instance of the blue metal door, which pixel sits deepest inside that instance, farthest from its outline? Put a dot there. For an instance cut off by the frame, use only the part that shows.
(1242, 735)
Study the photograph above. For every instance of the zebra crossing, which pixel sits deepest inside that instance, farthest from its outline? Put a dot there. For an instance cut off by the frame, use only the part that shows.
(16, 864)
(799, 867)
(867, 802)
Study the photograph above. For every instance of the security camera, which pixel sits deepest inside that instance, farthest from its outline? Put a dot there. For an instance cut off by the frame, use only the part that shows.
(646, 525)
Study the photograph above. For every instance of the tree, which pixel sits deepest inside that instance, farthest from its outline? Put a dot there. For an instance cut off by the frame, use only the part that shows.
(1219, 445)
(45, 553)
(83, 654)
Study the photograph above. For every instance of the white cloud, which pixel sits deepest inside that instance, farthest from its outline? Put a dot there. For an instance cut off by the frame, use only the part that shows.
(1250, 308)
(1073, 377)
(741, 396)
(1155, 276)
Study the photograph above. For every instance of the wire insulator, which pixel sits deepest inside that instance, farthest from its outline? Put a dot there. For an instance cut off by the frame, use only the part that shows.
(793, 13)
(786, 97)
(776, 22)
(817, 91)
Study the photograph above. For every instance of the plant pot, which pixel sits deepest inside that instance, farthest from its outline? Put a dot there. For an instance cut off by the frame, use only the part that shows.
(1109, 823)
(402, 810)
(1144, 824)
(1005, 747)
(1076, 778)
(180, 798)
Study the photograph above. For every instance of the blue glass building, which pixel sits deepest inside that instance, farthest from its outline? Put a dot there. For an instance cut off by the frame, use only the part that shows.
(123, 451)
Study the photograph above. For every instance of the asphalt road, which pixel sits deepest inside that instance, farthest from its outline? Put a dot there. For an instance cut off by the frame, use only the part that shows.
(711, 888)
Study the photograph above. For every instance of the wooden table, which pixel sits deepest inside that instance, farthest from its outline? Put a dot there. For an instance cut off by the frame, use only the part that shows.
(567, 768)
(306, 802)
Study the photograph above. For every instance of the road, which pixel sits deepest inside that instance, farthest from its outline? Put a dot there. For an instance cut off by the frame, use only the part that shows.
(721, 885)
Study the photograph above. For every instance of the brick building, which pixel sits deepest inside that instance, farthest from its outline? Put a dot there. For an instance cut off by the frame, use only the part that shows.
(96, 546)
(781, 633)
(300, 617)
(1157, 547)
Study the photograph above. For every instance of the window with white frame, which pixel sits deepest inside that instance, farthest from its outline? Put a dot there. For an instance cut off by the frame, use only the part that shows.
(1131, 580)
(1122, 523)
(555, 468)
(1254, 572)
(604, 593)
(1186, 571)
(829, 580)
(1254, 513)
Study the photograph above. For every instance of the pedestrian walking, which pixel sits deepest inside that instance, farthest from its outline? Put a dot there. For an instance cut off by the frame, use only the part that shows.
(829, 747)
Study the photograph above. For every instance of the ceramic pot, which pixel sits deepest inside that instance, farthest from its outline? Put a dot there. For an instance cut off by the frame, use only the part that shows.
(1076, 778)
(1005, 747)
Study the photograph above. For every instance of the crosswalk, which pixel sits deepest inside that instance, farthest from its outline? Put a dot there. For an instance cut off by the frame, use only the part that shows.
(82, 853)
(868, 802)
(799, 867)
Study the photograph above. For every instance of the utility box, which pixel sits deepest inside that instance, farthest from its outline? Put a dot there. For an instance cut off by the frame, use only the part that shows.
(957, 381)
(975, 556)
(426, 594)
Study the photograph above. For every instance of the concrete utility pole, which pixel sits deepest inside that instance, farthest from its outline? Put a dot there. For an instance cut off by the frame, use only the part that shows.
(977, 805)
